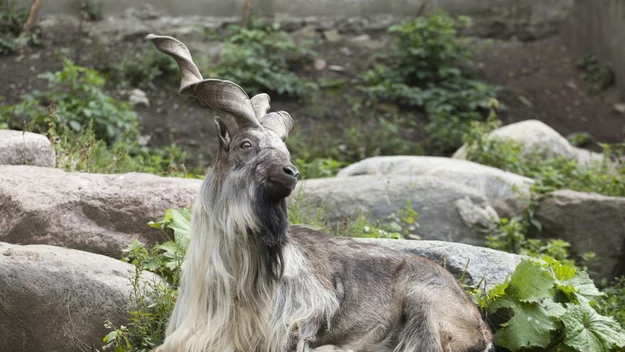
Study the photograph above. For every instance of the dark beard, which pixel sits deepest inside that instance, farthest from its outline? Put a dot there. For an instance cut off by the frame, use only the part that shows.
(271, 237)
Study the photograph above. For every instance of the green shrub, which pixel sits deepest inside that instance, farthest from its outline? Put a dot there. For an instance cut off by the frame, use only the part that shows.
(12, 38)
(613, 303)
(94, 9)
(262, 60)
(139, 70)
(152, 301)
(426, 69)
(318, 168)
(83, 152)
(324, 152)
(510, 235)
(599, 75)
(550, 173)
(548, 306)
(75, 94)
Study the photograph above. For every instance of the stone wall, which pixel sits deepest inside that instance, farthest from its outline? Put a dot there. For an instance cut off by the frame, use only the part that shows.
(314, 7)
(598, 26)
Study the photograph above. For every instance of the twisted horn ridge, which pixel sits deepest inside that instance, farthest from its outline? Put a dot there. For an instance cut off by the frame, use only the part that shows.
(260, 102)
(180, 53)
(280, 122)
(228, 97)
(217, 94)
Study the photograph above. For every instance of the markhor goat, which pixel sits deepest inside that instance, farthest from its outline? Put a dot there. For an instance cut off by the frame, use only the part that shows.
(252, 283)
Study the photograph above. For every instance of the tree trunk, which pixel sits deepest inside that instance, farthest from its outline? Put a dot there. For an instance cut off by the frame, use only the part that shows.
(247, 12)
(32, 15)
(421, 10)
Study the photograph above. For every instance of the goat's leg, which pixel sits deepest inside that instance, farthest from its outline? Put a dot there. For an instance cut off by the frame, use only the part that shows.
(420, 332)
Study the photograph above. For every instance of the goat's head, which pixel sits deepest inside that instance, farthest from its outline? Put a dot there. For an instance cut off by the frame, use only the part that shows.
(258, 148)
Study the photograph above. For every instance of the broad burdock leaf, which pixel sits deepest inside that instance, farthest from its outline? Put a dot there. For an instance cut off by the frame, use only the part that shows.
(587, 331)
(531, 282)
(576, 285)
(530, 326)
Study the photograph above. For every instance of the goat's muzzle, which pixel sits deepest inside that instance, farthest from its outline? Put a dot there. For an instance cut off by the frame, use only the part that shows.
(281, 181)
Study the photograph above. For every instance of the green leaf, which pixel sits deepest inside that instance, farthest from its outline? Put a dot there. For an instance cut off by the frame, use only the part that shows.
(531, 282)
(586, 330)
(554, 309)
(585, 289)
(181, 224)
(110, 336)
(529, 327)
(75, 125)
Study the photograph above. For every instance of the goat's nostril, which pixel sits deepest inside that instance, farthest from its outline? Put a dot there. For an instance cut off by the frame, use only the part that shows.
(291, 171)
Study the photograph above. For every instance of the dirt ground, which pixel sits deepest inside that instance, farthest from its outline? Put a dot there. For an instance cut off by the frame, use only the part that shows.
(539, 80)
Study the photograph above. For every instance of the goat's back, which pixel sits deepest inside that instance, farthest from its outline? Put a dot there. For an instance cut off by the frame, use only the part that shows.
(389, 299)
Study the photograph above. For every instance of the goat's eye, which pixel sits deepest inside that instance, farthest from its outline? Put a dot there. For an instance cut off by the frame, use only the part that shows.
(246, 145)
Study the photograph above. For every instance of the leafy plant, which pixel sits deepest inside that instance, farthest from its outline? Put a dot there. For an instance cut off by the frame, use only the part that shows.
(77, 97)
(83, 152)
(153, 301)
(141, 69)
(427, 69)
(94, 9)
(550, 173)
(318, 168)
(263, 60)
(12, 37)
(546, 305)
(324, 152)
(600, 75)
(510, 235)
(613, 303)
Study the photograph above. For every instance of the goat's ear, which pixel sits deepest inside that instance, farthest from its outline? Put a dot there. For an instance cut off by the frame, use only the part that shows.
(224, 135)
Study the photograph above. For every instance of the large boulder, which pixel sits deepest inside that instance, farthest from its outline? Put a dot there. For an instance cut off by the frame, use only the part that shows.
(506, 192)
(484, 266)
(25, 148)
(55, 299)
(91, 212)
(591, 223)
(536, 134)
(449, 210)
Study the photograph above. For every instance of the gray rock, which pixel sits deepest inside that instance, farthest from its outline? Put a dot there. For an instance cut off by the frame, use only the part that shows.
(378, 196)
(55, 299)
(474, 215)
(590, 222)
(25, 148)
(91, 212)
(305, 33)
(332, 35)
(137, 96)
(536, 134)
(364, 41)
(506, 192)
(481, 263)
